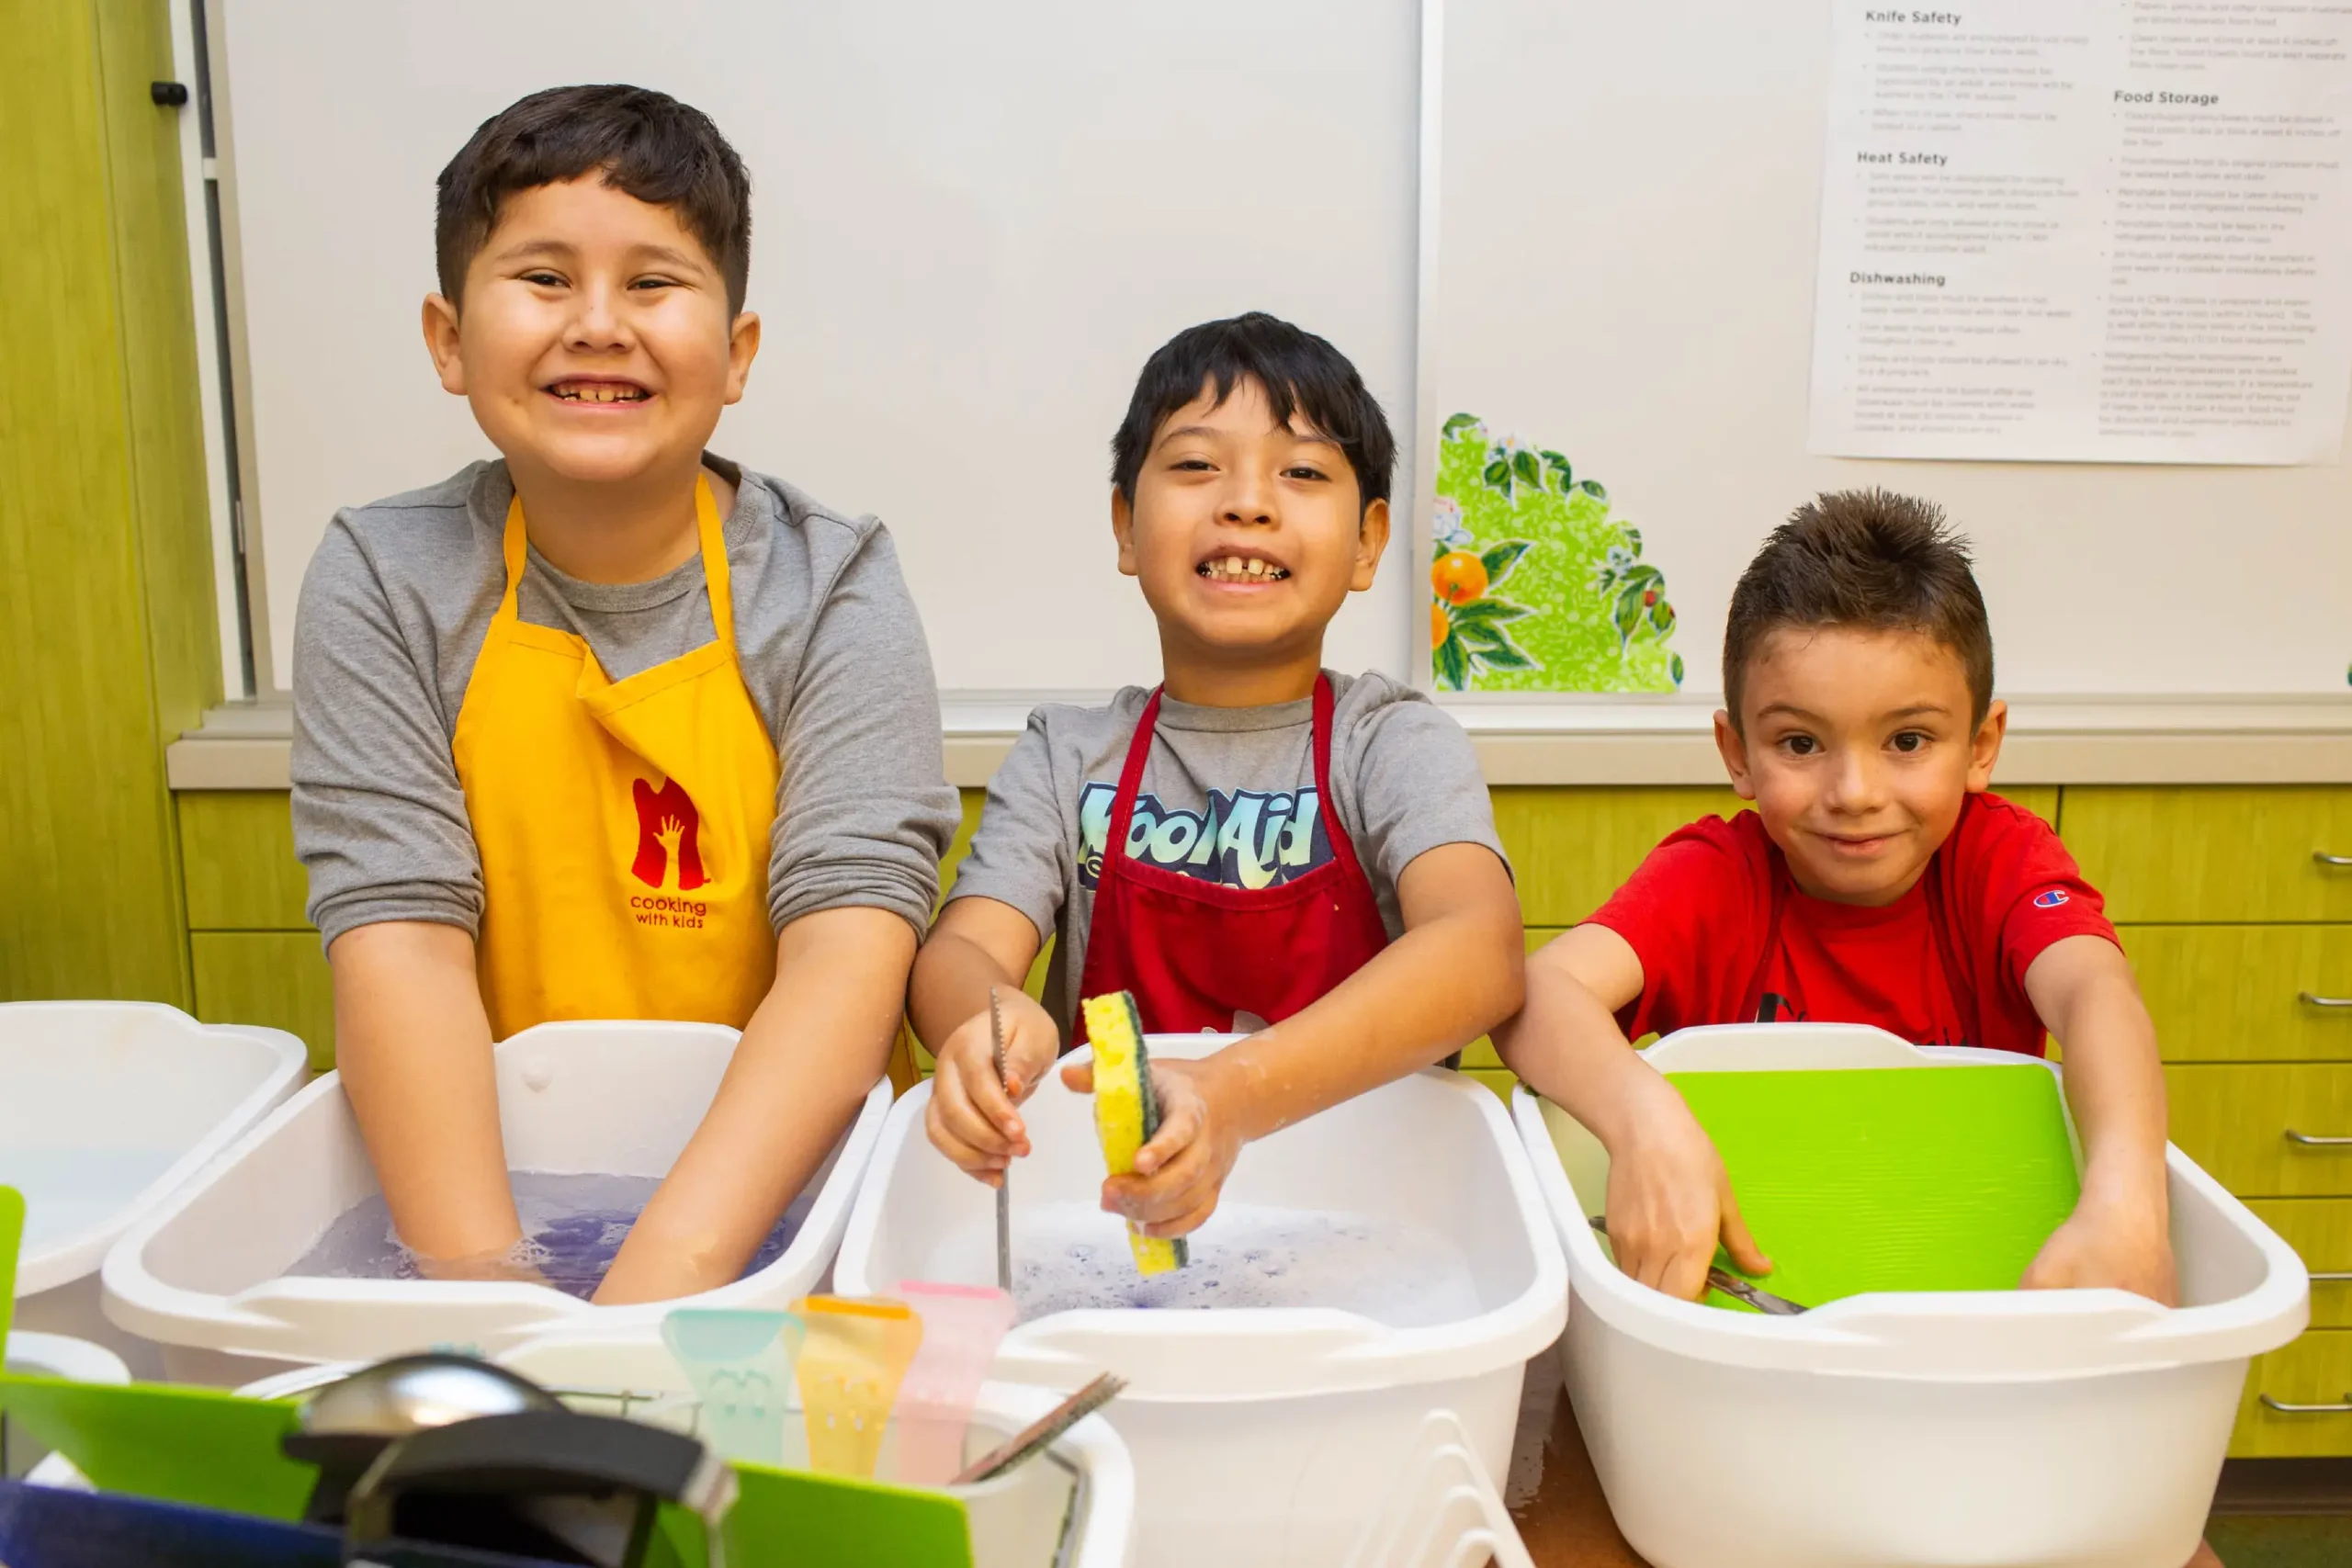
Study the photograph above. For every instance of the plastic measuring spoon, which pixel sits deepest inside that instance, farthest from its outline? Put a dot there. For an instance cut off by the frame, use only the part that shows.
(851, 1365)
(739, 1364)
(962, 1325)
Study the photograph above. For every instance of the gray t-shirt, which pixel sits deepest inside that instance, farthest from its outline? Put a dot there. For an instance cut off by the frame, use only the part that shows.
(1228, 795)
(395, 608)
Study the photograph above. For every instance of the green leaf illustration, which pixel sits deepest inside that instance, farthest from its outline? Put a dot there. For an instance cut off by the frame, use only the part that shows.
(1524, 464)
(1499, 561)
(1498, 475)
(1489, 611)
(1634, 540)
(1458, 423)
(1592, 488)
(1452, 663)
(1559, 465)
(1505, 657)
(1677, 668)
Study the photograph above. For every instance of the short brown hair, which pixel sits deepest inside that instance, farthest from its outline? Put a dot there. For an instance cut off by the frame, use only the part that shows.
(646, 143)
(1867, 558)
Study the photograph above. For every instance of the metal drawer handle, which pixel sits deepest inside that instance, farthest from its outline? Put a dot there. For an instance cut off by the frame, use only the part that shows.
(2333, 1277)
(2312, 1001)
(2312, 1140)
(2285, 1409)
(2338, 862)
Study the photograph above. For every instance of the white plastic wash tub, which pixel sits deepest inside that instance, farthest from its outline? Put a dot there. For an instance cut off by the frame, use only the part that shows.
(205, 1276)
(1073, 1508)
(1261, 1434)
(2062, 1429)
(106, 1109)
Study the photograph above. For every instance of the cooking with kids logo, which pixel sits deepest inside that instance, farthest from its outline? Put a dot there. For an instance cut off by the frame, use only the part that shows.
(1247, 839)
(669, 838)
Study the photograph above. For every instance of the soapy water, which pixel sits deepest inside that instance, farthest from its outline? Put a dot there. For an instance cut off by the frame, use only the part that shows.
(70, 1192)
(572, 1228)
(1071, 1256)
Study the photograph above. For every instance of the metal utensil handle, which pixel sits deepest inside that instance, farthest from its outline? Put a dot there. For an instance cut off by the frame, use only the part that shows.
(2338, 862)
(2333, 1277)
(1004, 1180)
(2285, 1409)
(2314, 1141)
(2311, 1001)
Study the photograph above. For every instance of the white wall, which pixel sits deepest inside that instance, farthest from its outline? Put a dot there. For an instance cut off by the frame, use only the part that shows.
(971, 225)
(1630, 197)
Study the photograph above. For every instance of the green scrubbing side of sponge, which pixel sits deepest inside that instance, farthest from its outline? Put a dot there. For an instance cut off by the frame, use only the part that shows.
(1126, 1109)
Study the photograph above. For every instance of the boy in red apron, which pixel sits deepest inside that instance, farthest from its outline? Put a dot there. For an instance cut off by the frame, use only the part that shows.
(1876, 882)
(546, 709)
(1256, 845)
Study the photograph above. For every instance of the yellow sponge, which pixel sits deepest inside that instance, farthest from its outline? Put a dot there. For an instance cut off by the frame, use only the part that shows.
(1127, 1111)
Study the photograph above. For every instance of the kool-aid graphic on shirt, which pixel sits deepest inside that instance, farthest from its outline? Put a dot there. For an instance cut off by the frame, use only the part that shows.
(1247, 839)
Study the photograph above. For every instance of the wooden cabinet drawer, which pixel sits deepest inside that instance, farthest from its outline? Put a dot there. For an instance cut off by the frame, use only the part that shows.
(1570, 848)
(237, 847)
(2320, 1230)
(2315, 1370)
(2184, 854)
(2234, 1121)
(2239, 993)
(275, 979)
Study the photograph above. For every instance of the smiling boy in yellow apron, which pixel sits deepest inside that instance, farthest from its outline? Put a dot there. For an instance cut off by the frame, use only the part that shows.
(612, 728)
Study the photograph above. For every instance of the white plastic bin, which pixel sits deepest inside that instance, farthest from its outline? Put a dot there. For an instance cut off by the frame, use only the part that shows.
(2061, 1429)
(205, 1276)
(106, 1109)
(1072, 1507)
(1260, 1435)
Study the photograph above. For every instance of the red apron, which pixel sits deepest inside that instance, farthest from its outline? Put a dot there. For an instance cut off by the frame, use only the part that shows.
(1195, 952)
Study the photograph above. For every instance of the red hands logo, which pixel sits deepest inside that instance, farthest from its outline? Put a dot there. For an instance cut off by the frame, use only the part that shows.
(667, 827)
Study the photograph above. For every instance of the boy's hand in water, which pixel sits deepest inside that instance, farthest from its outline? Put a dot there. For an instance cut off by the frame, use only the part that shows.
(1181, 1170)
(974, 1119)
(1670, 1202)
(2115, 1244)
(513, 1265)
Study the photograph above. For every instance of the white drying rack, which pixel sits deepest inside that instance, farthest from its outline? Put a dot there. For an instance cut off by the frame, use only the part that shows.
(1443, 1511)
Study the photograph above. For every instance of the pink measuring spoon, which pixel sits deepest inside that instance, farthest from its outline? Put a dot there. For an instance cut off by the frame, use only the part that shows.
(962, 1325)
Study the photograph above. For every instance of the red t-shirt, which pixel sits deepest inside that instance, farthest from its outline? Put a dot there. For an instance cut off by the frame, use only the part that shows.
(1724, 936)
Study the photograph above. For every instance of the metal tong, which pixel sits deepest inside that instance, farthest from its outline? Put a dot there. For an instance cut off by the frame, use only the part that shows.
(1004, 1181)
(1732, 1285)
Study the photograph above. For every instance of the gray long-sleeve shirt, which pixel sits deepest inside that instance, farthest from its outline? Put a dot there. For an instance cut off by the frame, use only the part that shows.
(399, 599)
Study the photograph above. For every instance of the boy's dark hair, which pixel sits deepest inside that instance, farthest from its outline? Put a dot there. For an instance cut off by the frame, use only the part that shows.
(1867, 558)
(1298, 372)
(647, 145)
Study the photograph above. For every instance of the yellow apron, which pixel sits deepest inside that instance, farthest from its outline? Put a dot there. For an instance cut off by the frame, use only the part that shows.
(623, 825)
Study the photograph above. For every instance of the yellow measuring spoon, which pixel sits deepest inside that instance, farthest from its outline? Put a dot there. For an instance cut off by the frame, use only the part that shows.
(854, 1356)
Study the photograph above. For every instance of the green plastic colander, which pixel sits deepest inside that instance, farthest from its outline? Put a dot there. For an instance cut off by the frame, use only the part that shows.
(1891, 1178)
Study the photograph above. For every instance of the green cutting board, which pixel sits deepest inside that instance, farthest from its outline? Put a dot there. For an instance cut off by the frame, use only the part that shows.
(198, 1446)
(1891, 1178)
(796, 1519)
(12, 1234)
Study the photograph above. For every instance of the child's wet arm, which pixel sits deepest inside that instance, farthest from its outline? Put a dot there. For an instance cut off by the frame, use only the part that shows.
(1455, 973)
(976, 944)
(812, 1052)
(1565, 1042)
(2082, 989)
(412, 1044)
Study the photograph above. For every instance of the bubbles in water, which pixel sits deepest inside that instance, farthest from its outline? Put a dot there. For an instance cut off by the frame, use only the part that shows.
(1071, 1256)
(572, 1228)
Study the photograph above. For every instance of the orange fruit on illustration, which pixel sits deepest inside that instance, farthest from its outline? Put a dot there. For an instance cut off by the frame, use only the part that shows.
(1441, 625)
(1459, 576)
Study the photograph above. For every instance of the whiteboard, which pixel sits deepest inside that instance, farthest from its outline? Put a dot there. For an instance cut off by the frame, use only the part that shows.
(971, 225)
(1623, 225)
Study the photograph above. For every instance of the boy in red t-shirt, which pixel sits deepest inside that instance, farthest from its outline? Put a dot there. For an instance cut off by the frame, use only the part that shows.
(1876, 882)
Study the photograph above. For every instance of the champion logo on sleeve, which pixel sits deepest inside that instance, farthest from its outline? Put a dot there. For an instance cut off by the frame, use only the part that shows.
(2050, 899)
